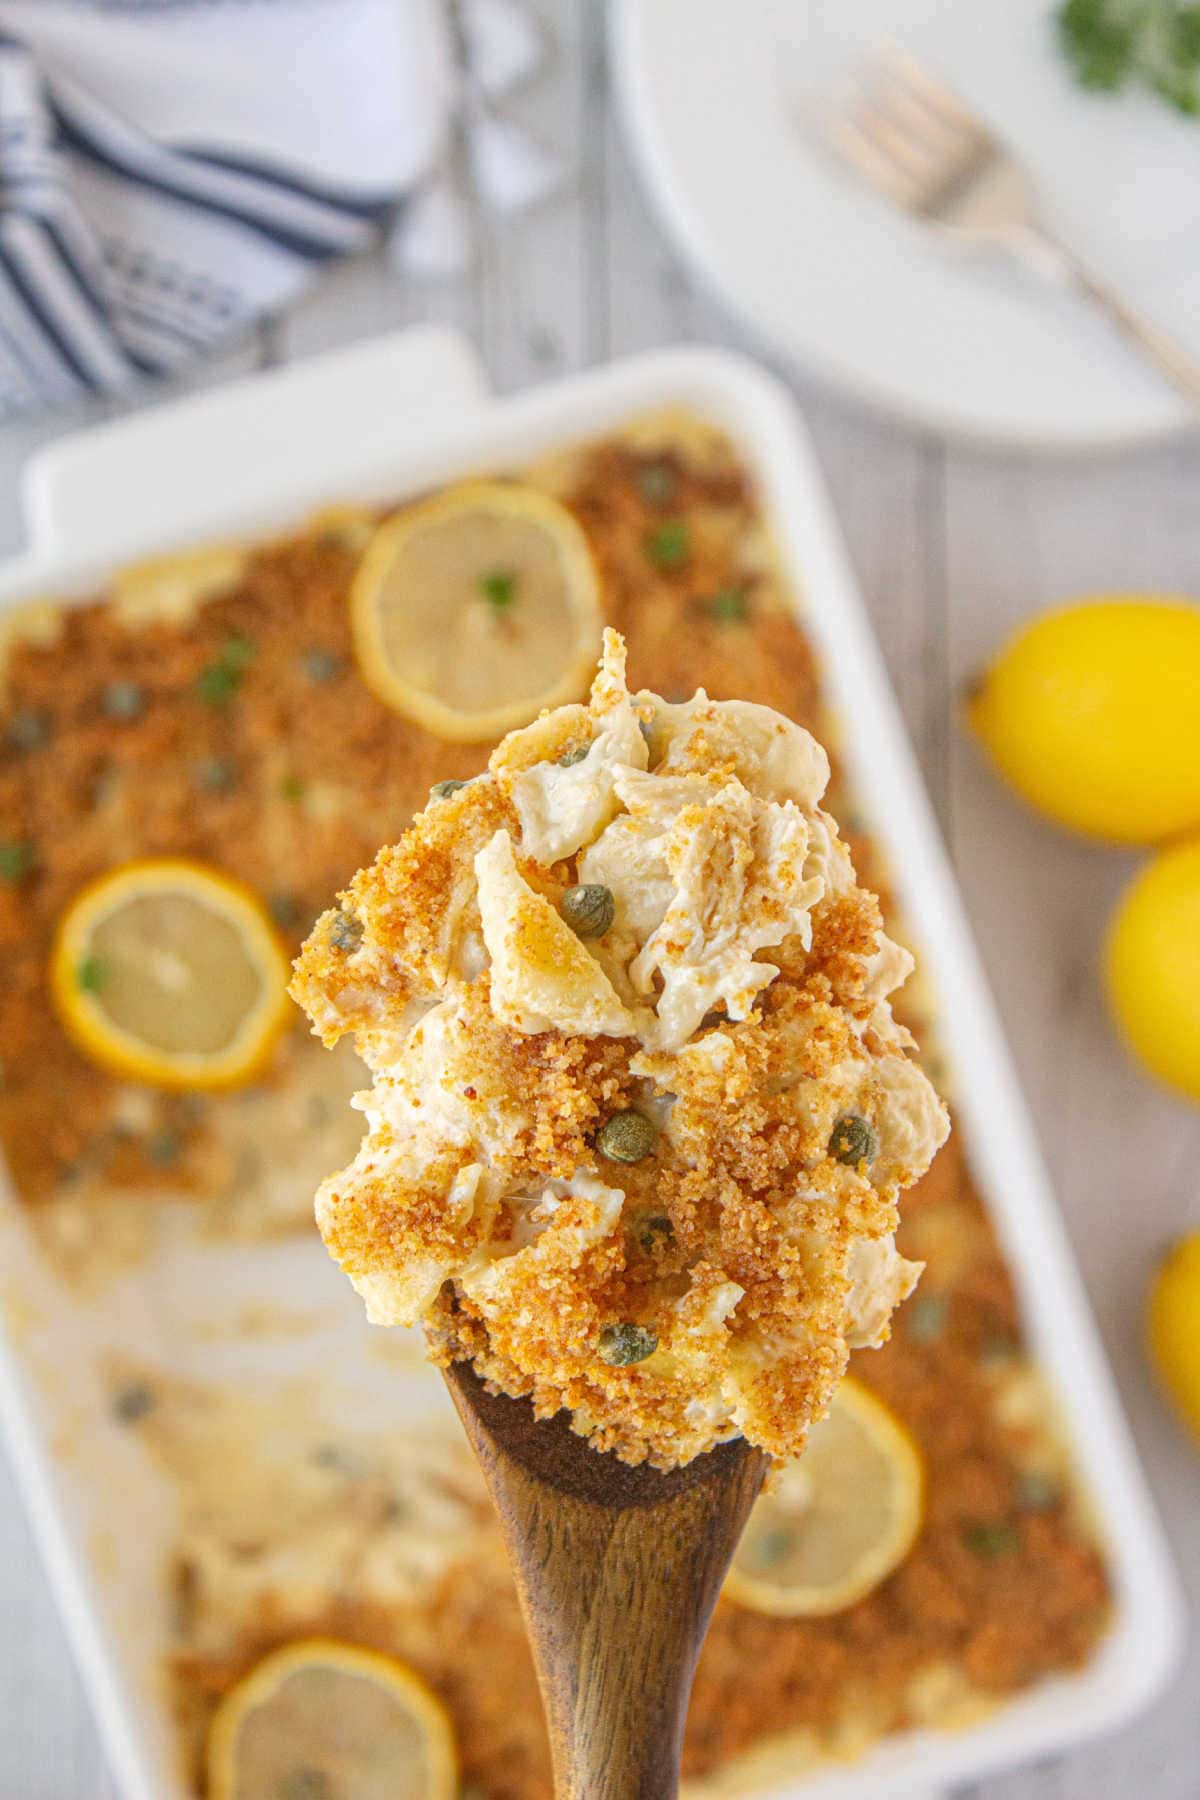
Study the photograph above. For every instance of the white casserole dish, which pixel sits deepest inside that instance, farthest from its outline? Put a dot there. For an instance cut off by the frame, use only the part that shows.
(384, 419)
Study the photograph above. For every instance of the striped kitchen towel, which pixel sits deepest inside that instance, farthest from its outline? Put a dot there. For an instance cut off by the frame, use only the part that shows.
(171, 170)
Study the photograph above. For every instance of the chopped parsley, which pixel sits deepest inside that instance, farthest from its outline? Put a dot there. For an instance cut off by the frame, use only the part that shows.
(16, 860)
(992, 1539)
(91, 975)
(292, 787)
(667, 547)
(499, 588)
(220, 680)
(728, 605)
(238, 652)
(217, 683)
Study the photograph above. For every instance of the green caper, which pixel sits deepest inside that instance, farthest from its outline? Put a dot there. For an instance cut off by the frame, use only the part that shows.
(124, 700)
(569, 758)
(164, 1148)
(284, 908)
(627, 1137)
(588, 909)
(320, 665)
(30, 729)
(771, 1547)
(627, 1343)
(853, 1141)
(132, 1402)
(1036, 1492)
(215, 774)
(654, 1232)
(442, 790)
(346, 932)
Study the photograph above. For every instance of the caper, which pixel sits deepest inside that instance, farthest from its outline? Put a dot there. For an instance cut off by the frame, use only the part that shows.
(442, 790)
(656, 483)
(346, 932)
(124, 700)
(627, 1137)
(627, 1343)
(925, 1318)
(164, 1148)
(215, 774)
(30, 729)
(284, 908)
(320, 665)
(588, 909)
(569, 758)
(132, 1402)
(1036, 1492)
(771, 1547)
(853, 1141)
(654, 1232)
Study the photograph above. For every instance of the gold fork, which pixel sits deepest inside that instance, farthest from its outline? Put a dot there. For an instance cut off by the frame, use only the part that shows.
(921, 146)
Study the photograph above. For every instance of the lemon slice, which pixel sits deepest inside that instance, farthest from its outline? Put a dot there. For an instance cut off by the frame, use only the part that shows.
(169, 972)
(476, 609)
(327, 1721)
(839, 1519)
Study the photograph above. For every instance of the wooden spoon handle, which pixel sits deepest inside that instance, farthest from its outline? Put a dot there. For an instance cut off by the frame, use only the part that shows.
(618, 1571)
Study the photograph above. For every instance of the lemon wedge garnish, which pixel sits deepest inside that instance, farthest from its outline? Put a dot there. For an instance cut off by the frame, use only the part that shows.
(474, 610)
(327, 1719)
(837, 1521)
(170, 972)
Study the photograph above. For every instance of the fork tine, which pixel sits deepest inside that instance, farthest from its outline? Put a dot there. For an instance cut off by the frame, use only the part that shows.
(914, 153)
(911, 110)
(868, 160)
(907, 73)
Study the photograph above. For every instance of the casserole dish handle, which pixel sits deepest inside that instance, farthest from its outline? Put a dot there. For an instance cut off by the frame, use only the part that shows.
(301, 434)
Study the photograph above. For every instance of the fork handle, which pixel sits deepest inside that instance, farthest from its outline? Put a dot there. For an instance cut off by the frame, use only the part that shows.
(1155, 345)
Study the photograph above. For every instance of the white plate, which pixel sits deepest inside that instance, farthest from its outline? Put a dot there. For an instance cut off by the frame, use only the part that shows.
(396, 417)
(719, 101)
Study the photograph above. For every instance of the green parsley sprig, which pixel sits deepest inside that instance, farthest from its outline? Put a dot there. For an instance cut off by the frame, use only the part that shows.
(1113, 44)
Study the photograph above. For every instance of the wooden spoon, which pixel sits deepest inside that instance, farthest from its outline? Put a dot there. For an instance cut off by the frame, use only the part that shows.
(618, 1570)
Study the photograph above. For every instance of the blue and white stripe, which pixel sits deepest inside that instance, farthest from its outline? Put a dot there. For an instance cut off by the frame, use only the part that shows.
(123, 256)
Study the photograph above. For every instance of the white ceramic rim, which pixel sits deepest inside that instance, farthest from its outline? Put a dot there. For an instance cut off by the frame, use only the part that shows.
(817, 361)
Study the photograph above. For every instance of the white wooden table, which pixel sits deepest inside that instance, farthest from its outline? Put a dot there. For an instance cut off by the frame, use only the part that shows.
(952, 547)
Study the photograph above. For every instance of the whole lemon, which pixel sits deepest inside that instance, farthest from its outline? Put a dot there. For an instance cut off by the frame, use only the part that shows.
(1152, 965)
(1092, 713)
(1173, 1326)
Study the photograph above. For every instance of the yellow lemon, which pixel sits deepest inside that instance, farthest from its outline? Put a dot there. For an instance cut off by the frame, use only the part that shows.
(474, 610)
(169, 972)
(332, 1721)
(1173, 1326)
(837, 1521)
(1152, 965)
(1092, 713)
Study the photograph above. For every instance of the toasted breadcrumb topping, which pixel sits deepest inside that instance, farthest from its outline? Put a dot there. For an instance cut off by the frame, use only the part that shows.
(735, 1007)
